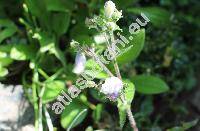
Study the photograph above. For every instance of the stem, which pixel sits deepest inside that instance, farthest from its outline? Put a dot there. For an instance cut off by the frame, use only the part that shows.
(131, 119)
(97, 59)
(115, 61)
(35, 99)
(128, 110)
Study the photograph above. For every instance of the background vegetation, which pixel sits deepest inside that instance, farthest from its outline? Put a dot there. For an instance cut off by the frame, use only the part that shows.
(35, 51)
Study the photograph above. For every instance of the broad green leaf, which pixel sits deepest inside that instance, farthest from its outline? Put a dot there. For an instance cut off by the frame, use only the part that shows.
(97, 112)
(133, 49)
(22, 52)
(73, 114)
(9, 29)
(52, 90)
(158, 16)
(60, 22)
(122, 4)
(149, 84)
(59, 5)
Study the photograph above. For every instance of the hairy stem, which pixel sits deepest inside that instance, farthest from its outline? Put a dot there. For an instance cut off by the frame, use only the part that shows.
(131, 119)
(128, 110)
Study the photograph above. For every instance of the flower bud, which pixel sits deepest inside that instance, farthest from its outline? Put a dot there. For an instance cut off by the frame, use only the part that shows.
(109, 9)
(80, 61)
(112, 87)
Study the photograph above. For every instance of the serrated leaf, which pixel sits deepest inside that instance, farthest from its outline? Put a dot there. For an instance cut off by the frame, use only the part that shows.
(136, 45)
(71, 115)
(149, 84)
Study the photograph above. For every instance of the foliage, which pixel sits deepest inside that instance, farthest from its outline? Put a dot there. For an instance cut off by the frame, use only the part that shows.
(35, 48)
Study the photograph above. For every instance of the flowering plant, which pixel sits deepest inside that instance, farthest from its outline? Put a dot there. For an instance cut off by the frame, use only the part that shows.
(114, 87)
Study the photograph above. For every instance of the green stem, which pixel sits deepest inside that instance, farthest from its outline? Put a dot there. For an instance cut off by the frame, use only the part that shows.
(128, 110)
(35, 99)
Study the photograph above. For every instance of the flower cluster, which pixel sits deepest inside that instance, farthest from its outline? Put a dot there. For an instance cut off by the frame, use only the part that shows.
(106, 24)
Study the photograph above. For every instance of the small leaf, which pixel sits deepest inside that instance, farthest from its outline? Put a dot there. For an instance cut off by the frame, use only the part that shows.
(136, 45)
(188, 125)
(52, 90)
(149, 84)
(9, 30)
(71, 113)
(94, 70)
(129, 91)
(97, 112)
(185, 126)
(122, 113)
(22, 52)
(3, 71)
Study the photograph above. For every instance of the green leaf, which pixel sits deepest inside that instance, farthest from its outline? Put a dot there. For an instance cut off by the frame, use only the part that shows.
(122, 113)
(129, 91)
(149, 84)
(52, 90)
(22, 52)
(9, 29)
(185, 126)
(5, 61)
(188, 125)
(123, 4)
(60, 22)
(3, 71)
(94, 70)
(59, 5)
(134, 48)
(97, 112)
(73, 114)
(159, 17)
(47, 41)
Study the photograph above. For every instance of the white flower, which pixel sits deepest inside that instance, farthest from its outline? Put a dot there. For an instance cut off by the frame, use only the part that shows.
(109, 9)
(112, 87)
(111, 26)
(80, 61)
(117, 15)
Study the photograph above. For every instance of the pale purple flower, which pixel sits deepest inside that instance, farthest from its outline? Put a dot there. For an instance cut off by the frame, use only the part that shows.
(80, 61)
(112, 87)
